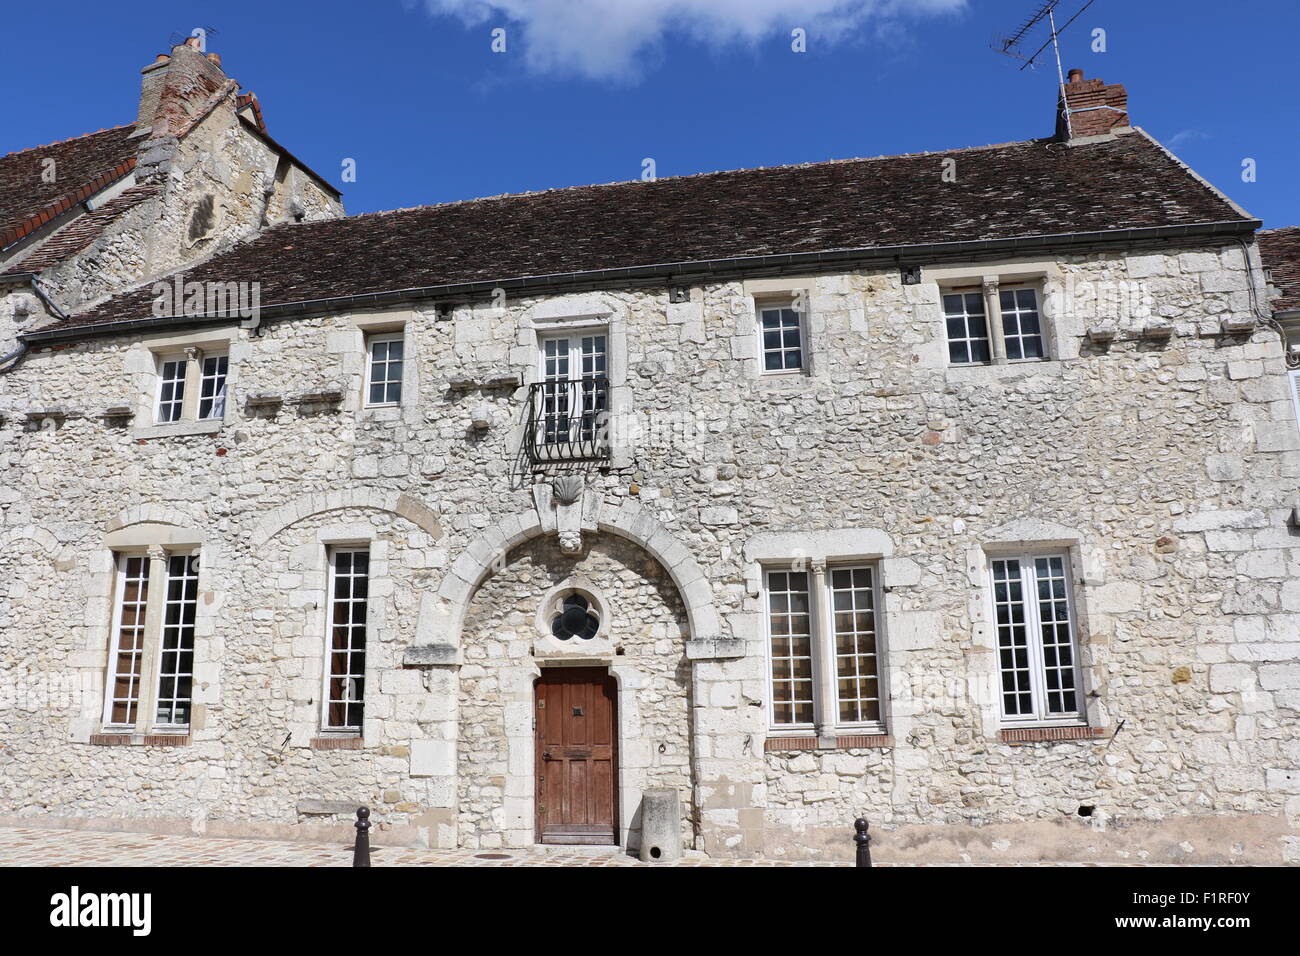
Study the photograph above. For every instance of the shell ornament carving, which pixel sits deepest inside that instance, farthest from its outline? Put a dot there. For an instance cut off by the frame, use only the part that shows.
(567, 488)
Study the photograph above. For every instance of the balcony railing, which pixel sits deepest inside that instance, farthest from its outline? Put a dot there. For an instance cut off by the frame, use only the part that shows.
(568, 420)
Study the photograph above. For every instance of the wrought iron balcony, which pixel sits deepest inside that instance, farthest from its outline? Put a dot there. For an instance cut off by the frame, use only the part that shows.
(568, 420)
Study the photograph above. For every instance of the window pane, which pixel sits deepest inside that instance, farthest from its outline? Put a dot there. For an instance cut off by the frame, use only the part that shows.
(1020, 323)
(1008, 604)
(177, 655)
(385, 372)
(967, 331)
(128, 651)
(346, 686)
(171, 390)
(791, 642)
(1058, 648)
(856, 660)
(212, 386)
(782, 339)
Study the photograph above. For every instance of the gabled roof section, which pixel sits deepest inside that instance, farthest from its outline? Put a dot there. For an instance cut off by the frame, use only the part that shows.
(81, 233)
(1029, 191)
(34, 192)
(1280, 250)
(248, 101)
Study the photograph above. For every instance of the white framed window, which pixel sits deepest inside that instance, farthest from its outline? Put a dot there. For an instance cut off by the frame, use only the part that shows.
(191, 386)
(126, 656)
(825, 644)
(968, 331)
(176, 649)
(345, 672)
(385, 365)
(574, 392)
(151, 654)
(789, 615)
(1022, 327)
(1016, 335)
(857, 652)
(1038, 651)
(781, 337)
(171, 388)
(212, 386)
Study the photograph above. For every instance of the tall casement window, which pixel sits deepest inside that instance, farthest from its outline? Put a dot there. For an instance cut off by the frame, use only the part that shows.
(1037, 640)
(573, 394)
(191, 386)
(825, 647)
(1016, 335)
(780, 329)
(386, 359)
(857, 673)
(790, 627)
(151, 659)
(346, 673)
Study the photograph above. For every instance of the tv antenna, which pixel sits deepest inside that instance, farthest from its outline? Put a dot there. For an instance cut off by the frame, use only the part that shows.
(1010, 45)
(176, 39)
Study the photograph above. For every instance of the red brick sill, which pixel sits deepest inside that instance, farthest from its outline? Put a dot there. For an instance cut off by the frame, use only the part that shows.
(336, 743)
(139, 740)
(1034, 735)
(848, 742)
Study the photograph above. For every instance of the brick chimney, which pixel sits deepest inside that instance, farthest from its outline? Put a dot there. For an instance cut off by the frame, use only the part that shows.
(1095, 109)
(175, 87)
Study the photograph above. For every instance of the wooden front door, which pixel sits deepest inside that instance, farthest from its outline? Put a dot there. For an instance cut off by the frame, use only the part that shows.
(577, 756)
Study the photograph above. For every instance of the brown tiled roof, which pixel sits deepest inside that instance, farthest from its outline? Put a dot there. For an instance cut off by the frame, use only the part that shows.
(82, 167)
(1028, 189)
(81, 232)
(250, 99)
(1280, 250)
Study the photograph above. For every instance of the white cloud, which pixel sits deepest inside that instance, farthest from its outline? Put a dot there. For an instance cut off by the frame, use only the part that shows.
(1185, 136)
(611, 39)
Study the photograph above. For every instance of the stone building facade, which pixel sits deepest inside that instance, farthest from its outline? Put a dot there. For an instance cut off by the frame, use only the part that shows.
(195, 173)
(812, 535)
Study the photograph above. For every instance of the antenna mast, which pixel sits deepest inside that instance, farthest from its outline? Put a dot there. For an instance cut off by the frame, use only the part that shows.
(1010, 45)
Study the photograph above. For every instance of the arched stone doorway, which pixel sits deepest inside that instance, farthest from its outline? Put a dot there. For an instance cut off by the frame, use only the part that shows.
(515, 660)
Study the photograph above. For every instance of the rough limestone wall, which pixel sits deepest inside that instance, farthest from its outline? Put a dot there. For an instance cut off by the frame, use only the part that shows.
(646, 625)
(219, 159)
(1174, 461)
(1174, 464)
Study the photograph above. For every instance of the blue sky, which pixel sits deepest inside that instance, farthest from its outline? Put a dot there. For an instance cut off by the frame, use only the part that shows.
(588, 89)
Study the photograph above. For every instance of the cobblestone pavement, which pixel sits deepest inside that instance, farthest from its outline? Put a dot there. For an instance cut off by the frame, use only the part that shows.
(33, 846)
(39, 846)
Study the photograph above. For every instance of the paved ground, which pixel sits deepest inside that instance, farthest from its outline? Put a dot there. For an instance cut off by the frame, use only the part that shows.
(32, 846)
(40, 846)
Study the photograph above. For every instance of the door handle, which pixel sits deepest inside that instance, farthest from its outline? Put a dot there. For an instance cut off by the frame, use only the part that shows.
(546, 755)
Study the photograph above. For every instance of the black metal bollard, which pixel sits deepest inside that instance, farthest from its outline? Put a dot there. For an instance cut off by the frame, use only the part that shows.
(863, 840)
(361, 849)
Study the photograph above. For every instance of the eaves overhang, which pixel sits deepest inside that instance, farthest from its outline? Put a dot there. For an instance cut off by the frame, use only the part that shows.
(685, 273)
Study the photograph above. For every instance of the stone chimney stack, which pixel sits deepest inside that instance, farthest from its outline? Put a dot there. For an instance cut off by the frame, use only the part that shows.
(175, 87)
(1095, 109)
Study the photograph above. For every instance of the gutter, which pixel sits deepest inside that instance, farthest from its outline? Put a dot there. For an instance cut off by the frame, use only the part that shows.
(683, 273)
(17, 354)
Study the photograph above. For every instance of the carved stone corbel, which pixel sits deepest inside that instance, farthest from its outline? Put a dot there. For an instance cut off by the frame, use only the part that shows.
(560, 508)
